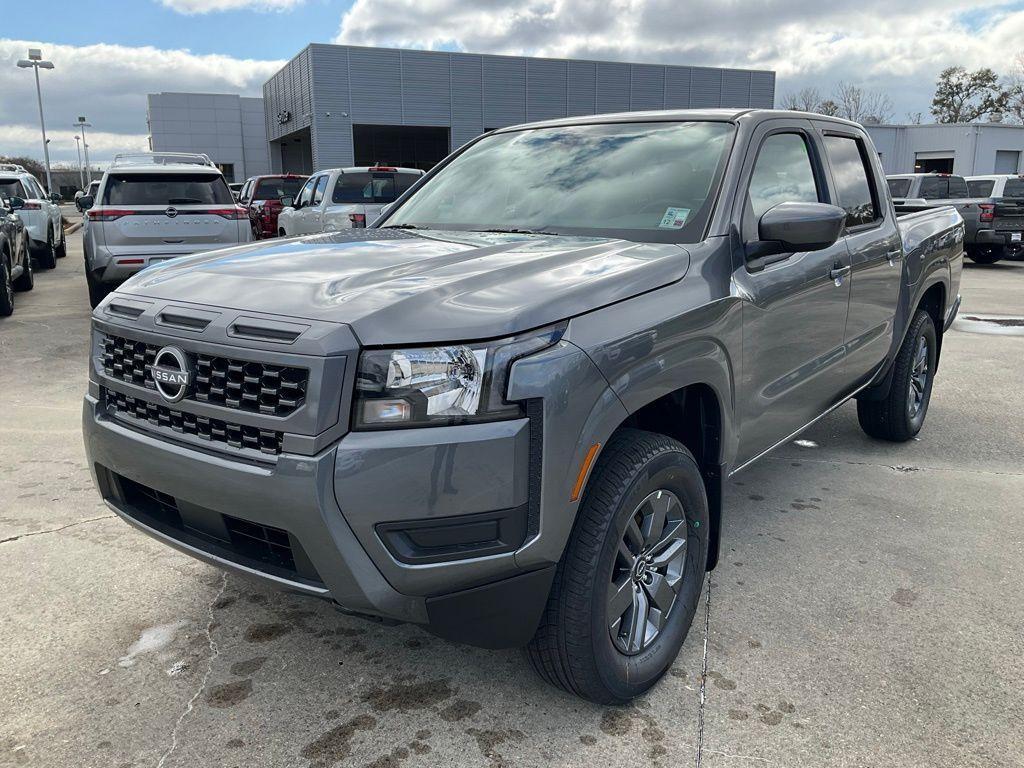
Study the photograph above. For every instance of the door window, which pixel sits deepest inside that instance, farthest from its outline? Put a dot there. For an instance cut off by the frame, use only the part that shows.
(852, 179)
(307, 192)
(11, 188)
(981, 187)
(318, 193)
(782, 173)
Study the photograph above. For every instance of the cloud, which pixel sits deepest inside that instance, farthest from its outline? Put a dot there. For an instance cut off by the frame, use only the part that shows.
(899, 48)
(193, 7)
(108, 84)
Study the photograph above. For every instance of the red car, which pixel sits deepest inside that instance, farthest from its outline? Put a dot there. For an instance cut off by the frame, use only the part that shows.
(261, 196)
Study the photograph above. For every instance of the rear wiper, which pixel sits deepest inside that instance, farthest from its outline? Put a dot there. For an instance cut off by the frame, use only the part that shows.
(183, 201)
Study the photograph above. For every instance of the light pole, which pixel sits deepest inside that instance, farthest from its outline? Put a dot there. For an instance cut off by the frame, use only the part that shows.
(35, 60)
(82, 125)
(81, 170)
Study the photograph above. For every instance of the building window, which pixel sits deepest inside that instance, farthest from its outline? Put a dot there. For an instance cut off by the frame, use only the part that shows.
(228, 169)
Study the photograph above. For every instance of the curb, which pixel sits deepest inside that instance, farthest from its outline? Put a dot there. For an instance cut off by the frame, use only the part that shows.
(73, 228)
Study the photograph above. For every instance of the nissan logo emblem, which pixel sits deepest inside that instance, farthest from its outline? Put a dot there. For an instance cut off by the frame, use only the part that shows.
(171, 212)
(171, 374)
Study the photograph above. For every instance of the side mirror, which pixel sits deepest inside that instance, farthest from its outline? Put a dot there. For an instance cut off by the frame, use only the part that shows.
(55, 198)
(795, 227)
(85, 202)
(287, 202)
(16, 203)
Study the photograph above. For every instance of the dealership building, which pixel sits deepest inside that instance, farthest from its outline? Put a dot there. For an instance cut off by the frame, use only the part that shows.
(338, 105)
(966, 149)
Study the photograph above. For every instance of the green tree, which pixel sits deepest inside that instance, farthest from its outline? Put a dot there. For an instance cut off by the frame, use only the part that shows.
(964, 97)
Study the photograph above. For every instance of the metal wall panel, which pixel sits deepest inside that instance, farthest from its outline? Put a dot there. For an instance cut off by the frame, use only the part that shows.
(647, 87)
(546, 83)
(705, 87)
(467, 98)
(426, 89)
(677, 87)
(375, 80)
(612, 87)
(582, 88)
(504, 91)
(735, 88)
(332, 127)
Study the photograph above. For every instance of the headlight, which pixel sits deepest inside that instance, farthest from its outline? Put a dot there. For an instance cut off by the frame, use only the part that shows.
(436, 386)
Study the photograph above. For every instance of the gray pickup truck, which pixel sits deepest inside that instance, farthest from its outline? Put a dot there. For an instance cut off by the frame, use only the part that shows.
(915, 192)
(506, 411)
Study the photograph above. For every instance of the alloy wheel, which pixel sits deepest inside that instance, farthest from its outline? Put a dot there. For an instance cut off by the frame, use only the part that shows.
(648, 572)
(918, 377)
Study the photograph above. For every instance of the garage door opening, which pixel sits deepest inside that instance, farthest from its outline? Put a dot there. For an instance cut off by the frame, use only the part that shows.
(293, 153)
(402, 145)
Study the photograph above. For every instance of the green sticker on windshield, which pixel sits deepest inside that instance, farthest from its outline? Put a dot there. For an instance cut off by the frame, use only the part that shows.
(674, 218)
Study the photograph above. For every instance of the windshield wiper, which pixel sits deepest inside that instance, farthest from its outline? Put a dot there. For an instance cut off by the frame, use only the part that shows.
(514, 231)
(401, 226)
(183, 201)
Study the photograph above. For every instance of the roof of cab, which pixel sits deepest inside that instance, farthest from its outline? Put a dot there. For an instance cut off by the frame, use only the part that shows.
(668, 115)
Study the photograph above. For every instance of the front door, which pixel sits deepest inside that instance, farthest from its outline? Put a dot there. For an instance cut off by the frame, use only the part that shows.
(794, 316)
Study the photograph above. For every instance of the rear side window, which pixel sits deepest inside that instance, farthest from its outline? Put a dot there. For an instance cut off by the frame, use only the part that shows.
(980, 188)
(166, 189)
(1014, 188)
(11, 188)
(782, 173)
(957, 187)
(275, 189)
(898, 187)
(376, 187)
(852, 179)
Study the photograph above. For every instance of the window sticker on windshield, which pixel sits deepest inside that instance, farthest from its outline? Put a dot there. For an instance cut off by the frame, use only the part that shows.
(674, 218)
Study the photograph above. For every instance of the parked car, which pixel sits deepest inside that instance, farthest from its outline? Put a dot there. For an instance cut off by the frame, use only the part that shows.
(236, 188)
(90, 190)
(912, 192)
(15, 260)
(506, 411)
(343, 198)
(1004, 226)
(262, 196)
(41, 214)
(155, 206)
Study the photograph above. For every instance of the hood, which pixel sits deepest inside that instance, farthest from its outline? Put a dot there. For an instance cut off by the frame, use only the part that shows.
(402, 287)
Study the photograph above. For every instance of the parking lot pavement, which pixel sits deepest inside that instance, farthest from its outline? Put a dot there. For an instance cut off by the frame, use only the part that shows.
(867, 609)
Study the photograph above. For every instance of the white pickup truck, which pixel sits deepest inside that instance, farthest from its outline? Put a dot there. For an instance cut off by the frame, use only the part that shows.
(343, 198)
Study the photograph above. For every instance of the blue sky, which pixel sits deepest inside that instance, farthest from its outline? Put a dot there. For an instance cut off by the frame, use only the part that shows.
(109, 54)
(243, 33)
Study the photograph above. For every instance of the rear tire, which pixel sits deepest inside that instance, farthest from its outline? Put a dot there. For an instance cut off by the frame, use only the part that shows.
(97, 291)
(27, 279)
(581, 645)
(986, 255)
(46, 257)
(900, 415)
(62, 247)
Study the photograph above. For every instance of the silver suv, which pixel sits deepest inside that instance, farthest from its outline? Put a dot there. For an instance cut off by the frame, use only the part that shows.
(154, 206)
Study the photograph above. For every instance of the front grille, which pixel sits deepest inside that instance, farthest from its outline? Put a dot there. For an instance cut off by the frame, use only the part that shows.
(244, 385)
(213, 430)
(261, 542)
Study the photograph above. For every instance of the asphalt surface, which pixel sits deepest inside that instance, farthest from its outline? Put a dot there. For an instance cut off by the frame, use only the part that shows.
(867, 610)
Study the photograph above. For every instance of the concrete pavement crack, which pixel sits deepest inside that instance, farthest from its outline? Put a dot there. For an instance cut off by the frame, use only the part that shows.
(214, 653)
(896, 468)
(55, 530)
(703, 676)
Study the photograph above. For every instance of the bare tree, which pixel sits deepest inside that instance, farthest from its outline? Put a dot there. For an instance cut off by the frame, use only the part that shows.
(862, 105)
(805, 100)
(915, 118)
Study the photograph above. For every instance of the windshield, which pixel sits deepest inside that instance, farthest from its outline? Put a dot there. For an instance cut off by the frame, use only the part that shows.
(275, 189)
(651, 182)
(166, 189)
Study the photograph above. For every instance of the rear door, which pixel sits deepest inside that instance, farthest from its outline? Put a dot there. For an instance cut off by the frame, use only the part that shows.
(167, 213)
(308, 217)
(876, 250)
(794, 318)
(1008, 217)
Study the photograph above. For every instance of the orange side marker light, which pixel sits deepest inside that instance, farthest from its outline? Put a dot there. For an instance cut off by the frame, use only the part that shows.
(584, 469)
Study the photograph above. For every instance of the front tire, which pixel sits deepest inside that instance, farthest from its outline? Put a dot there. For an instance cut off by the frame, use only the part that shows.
(6, 287)
(27, 279)
(97, 291)
(628, 584)
(900, 415)
(62, 247)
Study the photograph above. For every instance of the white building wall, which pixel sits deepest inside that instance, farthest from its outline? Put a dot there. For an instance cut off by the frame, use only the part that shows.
(972, 146)
(228, 128)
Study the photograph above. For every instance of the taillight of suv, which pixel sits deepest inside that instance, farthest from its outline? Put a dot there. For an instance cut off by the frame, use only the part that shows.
(107, 214)
(358, 220)
(228, 213)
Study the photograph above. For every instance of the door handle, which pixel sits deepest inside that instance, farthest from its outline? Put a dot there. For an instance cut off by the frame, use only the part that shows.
(837, 273)
(893, 255)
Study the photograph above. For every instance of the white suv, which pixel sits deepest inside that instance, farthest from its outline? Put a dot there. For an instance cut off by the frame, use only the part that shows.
(343, 198)
(41, 214)
(154, 206)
